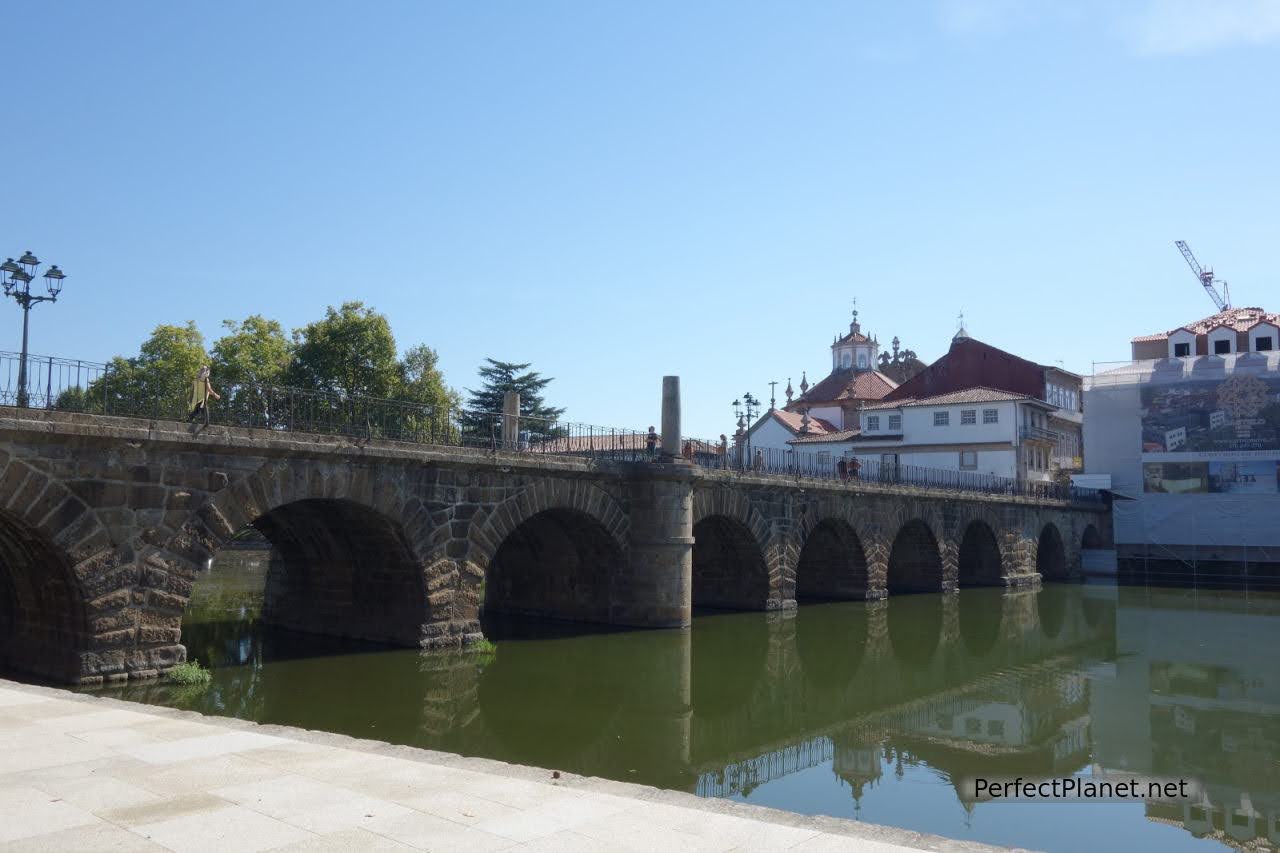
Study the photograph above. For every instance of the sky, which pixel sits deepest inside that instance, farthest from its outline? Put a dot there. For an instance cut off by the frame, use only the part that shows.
(618, 191)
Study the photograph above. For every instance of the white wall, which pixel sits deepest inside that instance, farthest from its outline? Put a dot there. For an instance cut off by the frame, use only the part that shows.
(1222, 333)
(831, 414)
(1264, 330)
(771, 433)
(1182, 336)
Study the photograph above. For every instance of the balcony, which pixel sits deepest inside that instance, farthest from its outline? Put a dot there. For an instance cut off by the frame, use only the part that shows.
(1035, 433)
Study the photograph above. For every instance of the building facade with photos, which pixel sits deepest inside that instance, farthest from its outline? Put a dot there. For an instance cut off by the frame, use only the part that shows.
(1190, 431)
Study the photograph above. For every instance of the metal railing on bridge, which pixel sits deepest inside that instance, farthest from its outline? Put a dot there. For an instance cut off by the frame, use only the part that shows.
(836, 466)
(88, 387)
(107, 389)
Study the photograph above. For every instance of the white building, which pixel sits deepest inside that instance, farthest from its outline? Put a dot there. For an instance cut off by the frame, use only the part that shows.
(982, 430)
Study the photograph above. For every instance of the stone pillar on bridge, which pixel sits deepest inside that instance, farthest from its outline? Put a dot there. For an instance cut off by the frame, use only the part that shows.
(670, 418)
(511, 420)
(655, 587)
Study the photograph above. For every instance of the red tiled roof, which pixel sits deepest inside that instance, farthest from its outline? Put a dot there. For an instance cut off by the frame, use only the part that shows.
(848, 384)
(854, 338)
(979, 394)
(971, 363)
(1238, 319)
(794, 420)
(839, 435)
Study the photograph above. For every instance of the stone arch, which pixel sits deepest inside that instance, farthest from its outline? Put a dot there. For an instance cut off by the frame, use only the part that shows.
(866, 551)
(730, 571)
(348, 558)
(832, 565)
(915, 560)
(489, 531)
(1051, 554)
(557, 563)
(1091, 538)
(979, 560)
(66, 610)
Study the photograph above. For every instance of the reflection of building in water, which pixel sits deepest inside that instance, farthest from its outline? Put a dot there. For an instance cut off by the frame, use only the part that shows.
(1195, 693)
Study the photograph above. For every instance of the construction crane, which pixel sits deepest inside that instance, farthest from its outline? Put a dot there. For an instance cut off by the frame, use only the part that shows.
(1223, 300)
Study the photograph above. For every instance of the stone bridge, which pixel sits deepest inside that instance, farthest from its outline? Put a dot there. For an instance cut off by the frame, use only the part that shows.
(105, 523)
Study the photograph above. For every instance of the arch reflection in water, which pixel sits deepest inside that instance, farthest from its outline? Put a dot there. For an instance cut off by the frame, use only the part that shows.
(1155, 683)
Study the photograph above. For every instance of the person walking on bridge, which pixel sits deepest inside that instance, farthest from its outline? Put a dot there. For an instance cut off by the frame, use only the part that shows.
(201, 391)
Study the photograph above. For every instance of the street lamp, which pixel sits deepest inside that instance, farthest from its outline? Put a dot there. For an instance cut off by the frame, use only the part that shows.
(16, 277)
(746, 411)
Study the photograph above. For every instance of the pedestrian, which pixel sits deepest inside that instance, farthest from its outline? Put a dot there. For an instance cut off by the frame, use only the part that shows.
(758, 461)
(688, 451)
(724, 451)
(651, 443)
(201, 391)
(842, 469)
(854, 467)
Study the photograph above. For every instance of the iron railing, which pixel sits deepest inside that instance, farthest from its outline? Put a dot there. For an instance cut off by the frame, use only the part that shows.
(838, 466)
(103, 389)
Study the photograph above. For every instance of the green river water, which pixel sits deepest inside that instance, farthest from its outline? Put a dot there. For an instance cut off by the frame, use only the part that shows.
(876, 712)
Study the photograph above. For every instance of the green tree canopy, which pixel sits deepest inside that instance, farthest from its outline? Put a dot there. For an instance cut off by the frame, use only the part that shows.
(422, 382)
(503, 376)
(351, 351)
(158, 380)
(255, 350)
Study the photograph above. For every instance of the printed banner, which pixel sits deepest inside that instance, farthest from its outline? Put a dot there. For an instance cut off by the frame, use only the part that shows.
(1241, 413)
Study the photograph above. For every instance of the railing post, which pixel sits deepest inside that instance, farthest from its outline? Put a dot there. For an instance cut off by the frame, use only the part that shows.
(670, 418)
(511, 420)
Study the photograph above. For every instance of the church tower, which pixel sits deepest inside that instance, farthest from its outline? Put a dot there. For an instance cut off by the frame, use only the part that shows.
(854, 351)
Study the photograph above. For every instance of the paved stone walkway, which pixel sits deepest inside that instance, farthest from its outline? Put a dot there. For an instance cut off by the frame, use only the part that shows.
(80, 772)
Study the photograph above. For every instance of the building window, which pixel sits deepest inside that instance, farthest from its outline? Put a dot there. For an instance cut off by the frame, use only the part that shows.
(1262, 344)
(968, 416)
(862, 360)
(991, 416)
(846, 359)
(1221, 347)
(968, 460)
(1181, 350)
(941, 418)
(995, 728)
(873, 422)
(895, 423)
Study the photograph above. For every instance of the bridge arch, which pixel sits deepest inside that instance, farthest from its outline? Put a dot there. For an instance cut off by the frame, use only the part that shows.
(557, 563)
(1051, 554)
(734, 567)
(1091, 538)
(59, 575)
(979, 559)
(347, 559)
(915, 560)
(832, 565)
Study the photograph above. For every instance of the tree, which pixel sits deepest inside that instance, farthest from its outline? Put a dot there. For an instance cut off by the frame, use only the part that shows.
(254, 351)
(155, 383)
(503, 376)
(351, 351)
(422, 382)
(248, 361)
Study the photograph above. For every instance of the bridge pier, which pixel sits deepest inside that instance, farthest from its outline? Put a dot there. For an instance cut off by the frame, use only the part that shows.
(655, 589)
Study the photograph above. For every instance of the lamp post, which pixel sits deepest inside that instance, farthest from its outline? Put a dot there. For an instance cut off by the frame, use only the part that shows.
(17, 276)
(748, 408)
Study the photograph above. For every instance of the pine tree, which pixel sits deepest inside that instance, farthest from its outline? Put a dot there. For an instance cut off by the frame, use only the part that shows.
(499, 378)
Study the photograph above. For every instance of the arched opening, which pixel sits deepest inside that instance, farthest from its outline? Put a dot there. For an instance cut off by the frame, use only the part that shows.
(558, 564)
(915, 563)
(1051, 555)
(1051, 605)
(979, 558)
(1092, 539)
(832, 642)
(728, 657)
(321, 567)
(832, 565)
(915, 628)
(729, 572)
(981, 612)
(43, 623)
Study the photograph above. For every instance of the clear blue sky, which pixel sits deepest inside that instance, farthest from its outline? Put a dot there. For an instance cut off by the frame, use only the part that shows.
(615, 191)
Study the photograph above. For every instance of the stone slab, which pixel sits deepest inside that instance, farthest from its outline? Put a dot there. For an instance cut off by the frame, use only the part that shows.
(228, 785)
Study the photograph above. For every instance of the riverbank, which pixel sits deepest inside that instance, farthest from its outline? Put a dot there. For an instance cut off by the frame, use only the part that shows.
(83, 772)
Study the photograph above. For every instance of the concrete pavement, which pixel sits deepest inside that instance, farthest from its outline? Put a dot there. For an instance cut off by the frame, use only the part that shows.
(81, 772)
